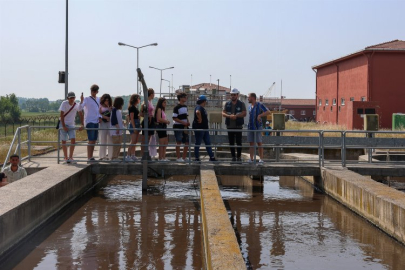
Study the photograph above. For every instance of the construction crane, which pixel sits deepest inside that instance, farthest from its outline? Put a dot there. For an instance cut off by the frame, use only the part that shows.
(270, 90)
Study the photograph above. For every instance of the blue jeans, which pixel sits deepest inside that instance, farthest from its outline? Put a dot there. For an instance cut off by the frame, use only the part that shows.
(199, 137)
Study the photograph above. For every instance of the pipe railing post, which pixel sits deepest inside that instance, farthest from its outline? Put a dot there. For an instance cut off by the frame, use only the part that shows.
(343, 149)
(19, 143)
(29, 143)
(58, 146)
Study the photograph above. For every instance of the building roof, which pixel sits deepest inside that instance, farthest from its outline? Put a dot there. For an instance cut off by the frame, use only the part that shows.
(393, 45)
(290, 101)
(209, 86)
(298, 102)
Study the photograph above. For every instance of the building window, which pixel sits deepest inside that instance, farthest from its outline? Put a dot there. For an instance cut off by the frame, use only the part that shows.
(331, 108)
(292, 112)
(320, 102)
(326, 102)
(342, 102)
(314, 112)
(352, 99)
(303, 112)
(334, 102)
(363, 99)
(339, 108)
(360, 111)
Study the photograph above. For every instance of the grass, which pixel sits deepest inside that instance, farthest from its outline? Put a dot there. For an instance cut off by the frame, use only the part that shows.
(47, 135)
(40, 114)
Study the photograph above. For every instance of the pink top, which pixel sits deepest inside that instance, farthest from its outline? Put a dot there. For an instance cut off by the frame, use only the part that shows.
(103, 109)
(163, 115)
(151, 108)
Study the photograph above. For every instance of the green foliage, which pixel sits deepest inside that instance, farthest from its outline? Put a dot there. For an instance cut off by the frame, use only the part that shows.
(9, 109)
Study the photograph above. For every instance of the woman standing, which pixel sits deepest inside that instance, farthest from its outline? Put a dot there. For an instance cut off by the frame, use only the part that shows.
(116, 126)
(105, 138)
(134, 126)
(151, 121)
(162, 123)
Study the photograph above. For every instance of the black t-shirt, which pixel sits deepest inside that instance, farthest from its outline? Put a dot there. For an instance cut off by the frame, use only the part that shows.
(133, 109)
(180, 112)
(204, 116)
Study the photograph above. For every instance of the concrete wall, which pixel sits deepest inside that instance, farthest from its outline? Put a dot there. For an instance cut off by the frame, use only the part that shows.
(221, 248)
(29, 202)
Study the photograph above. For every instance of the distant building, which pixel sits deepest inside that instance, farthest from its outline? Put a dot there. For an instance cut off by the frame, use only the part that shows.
(301, 109)
(369, 81)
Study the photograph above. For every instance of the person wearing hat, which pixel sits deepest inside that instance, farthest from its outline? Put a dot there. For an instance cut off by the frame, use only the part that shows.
(234, 112)
(68, 110)
(201, 122)
(267, 133)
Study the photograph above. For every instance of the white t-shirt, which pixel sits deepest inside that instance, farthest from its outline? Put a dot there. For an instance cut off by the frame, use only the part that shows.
(91, 110)
(70, 118)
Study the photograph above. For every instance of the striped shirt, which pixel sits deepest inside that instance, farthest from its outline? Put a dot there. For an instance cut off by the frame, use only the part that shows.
(254, 112)
(180, 112)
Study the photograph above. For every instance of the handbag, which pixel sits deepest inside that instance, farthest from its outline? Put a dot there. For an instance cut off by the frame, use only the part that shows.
(106, 113)
(58, 124)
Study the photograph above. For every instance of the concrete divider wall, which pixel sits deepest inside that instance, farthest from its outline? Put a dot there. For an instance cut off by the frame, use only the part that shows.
(220, 244)
(378, 203)
(29, 202)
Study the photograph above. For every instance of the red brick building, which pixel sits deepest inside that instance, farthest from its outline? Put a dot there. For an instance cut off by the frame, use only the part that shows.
(301, 109)
(365, 82)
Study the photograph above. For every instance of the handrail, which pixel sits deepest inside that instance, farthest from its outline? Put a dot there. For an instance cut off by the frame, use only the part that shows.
(18, 148)
(323, 142)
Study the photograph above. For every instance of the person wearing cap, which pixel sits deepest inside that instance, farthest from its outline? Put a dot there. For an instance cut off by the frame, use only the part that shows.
(201, 122)
(267, 133)
(234, 112)
(68, 110)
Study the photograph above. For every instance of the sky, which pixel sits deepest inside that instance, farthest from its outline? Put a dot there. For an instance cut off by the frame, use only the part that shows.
(255, 42)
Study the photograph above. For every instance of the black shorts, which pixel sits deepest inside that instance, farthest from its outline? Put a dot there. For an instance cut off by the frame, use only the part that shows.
(150, 126)
(161, 133)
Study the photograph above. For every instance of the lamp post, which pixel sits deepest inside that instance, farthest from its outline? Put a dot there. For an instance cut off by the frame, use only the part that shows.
(168, 82)
(137, 59)
(230, 82)
(161, 73)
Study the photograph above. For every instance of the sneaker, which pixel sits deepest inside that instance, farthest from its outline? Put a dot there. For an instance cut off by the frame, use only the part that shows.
(186, 159)
(91, 160)
(134, 158)
(233, 159)
(72, 161)
(213, 159)
(197, 160)
(180, 160)
(165, 160)
(250, 161)
(261, 162)
(128, 159)
(65, 161)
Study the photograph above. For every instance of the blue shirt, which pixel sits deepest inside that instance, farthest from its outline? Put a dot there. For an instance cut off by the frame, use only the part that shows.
(254, 112)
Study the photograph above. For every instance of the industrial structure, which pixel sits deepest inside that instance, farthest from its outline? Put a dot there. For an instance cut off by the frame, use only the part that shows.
(369, 81)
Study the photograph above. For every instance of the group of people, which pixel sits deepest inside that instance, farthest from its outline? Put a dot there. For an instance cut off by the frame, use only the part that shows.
(103, 121)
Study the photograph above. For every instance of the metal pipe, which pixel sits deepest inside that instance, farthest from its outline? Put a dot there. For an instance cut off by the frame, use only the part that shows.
(29, 143)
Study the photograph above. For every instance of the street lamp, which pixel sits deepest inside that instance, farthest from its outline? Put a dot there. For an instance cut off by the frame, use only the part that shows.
(168, 82)
(161, 71)
(137, 59)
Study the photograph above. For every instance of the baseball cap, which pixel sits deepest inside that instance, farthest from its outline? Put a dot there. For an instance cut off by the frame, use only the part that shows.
(267, 122)
(71, 94)
(202, 98)
(234, 91)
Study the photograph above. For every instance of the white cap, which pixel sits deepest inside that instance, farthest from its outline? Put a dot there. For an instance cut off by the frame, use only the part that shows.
(234, 91)
(267, 123)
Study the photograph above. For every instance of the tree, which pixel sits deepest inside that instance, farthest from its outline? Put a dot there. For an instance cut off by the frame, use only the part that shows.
(9, 109)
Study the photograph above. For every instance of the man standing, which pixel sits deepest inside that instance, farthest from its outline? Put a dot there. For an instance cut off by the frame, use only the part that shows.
(234, 113)
(256, 112)
(92, 118)
(201, 122)
(180, 126)
(68, 110)
(13, 172)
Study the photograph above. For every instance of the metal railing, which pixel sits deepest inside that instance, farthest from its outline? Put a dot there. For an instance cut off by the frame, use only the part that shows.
(320, 141)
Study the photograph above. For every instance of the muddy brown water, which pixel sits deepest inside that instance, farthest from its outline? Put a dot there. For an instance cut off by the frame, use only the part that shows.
(118, 228)
(283, 223)
(280, 223)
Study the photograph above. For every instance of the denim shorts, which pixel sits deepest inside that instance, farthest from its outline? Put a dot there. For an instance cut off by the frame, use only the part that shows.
(92, 134)
(137, 126)
(251, 136)
(180, 136)
(71, 133)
